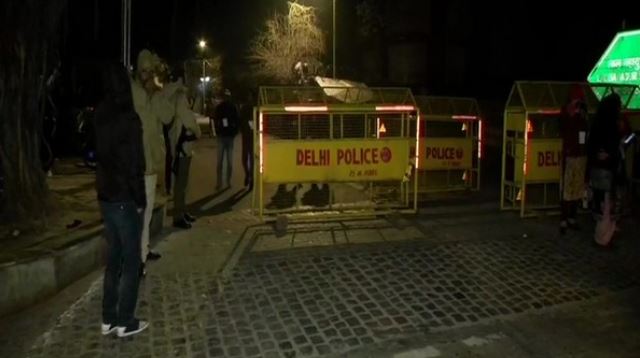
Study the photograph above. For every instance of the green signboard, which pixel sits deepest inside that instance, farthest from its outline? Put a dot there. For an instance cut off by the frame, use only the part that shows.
(620, 64)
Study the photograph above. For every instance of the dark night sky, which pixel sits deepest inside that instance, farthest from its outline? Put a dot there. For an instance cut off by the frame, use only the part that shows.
(523, 39)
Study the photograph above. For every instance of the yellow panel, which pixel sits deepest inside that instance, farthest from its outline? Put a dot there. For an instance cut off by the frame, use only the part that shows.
(445, 153)
(544, 160)
(336, 160)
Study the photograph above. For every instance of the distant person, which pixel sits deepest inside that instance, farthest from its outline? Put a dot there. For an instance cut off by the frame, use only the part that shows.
(183, 132)
(246, 129)
(606, 169)
(573, 130)
(226, 124)
(152, 102)
(121, 194)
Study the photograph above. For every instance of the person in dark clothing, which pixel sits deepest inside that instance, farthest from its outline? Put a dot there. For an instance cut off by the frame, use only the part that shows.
(573, 130)
(246, 129)
(226, 123)
(121, 194)
(606, 169)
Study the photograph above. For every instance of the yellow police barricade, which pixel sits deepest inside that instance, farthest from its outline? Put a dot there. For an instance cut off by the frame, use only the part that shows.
(532, 147)
(334, 153)
(451, 142)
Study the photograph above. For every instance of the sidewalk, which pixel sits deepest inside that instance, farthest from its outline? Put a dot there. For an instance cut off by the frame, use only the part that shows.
(440, 285)
(461, 280)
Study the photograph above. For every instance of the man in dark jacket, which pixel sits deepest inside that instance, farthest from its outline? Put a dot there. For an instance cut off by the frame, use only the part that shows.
(226, 123)
(121, 194)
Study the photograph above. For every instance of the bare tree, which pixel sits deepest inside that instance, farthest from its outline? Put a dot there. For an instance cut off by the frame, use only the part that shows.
(287, 40)
(29, 30)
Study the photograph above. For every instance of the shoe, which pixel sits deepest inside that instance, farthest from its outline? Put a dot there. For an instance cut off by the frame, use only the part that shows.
(135, 327)
(153, 256)
(108, 328)
(143, 270)
(182, 224)
(189, 218)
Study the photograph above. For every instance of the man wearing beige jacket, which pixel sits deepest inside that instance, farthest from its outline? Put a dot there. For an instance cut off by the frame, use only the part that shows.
(153, 103)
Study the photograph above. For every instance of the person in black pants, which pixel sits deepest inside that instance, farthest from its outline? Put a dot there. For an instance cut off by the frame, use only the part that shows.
(226, 122)
(246, 129)
(122, 199)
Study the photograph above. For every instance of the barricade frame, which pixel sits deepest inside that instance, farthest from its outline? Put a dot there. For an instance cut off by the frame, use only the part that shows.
(334, 103)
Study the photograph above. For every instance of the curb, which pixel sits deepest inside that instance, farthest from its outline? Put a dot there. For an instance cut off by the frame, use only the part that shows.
(32, 280)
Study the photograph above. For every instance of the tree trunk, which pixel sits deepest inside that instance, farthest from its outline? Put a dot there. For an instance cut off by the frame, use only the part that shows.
(29, 30)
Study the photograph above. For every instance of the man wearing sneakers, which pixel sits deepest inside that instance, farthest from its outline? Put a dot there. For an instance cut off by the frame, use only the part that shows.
(121, 194)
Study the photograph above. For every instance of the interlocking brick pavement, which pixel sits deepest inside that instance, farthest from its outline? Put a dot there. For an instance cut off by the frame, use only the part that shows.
(331, 301)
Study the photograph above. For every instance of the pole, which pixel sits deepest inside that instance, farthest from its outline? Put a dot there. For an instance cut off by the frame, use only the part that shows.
(123, 16)
(126, 33)
(128, 60)
(334, 39)
(204, 87)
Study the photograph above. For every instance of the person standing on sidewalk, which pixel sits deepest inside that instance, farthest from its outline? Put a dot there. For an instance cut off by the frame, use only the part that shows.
(121, 194)
(606, 172)
(183, 132)
(573, 130)
(246, 129)
(153, 104)
(226, 124)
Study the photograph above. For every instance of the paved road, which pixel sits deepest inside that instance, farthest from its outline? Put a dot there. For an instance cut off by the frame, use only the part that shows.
(458, 282)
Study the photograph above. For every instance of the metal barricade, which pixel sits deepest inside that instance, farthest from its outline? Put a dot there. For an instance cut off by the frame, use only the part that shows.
(333, 152)
(532, 147)
(451, 142)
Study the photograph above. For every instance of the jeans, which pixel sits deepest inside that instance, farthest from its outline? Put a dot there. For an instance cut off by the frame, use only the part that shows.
(123, 228)
(225, 149)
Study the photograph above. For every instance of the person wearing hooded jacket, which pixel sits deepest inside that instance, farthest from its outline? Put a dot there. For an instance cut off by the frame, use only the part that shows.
(154, 104)
(606, 168)
(121, 194)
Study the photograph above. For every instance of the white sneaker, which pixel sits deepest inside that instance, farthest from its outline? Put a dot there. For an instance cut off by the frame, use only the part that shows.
(108, 328)
(134, 328)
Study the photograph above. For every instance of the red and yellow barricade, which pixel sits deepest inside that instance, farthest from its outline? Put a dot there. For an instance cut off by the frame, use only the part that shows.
(334, 152)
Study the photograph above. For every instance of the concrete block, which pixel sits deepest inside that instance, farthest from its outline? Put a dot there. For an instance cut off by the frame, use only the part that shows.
(78, 260)
(24, 284)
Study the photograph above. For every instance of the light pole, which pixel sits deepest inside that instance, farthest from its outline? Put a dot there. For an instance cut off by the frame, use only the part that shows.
(126, 33)
(334, 39)
(202, 44)
(333, 35)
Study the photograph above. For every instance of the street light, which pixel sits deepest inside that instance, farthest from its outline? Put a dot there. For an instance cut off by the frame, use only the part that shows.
(202, 44)
(333, 34)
